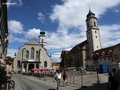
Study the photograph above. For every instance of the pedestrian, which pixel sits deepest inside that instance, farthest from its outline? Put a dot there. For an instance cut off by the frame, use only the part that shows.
(116, 78)
(110, 85)
(64, 79)
(58, 78)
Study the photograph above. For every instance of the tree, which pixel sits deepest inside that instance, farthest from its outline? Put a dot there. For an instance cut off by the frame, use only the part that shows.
(10, 58)
(67, 60)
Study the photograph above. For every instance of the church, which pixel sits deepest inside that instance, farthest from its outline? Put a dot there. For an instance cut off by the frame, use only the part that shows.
(89, 53)
(87, 47)
(32, 54)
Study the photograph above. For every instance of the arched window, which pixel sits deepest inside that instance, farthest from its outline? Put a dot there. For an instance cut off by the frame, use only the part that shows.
(87, 25)
(18, 63)
(94, 24)
(32, 52)
(27, 54)
(37, 55)
(45, 64)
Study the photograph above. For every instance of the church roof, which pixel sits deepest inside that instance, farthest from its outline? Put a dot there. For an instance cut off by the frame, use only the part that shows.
(65, 52)
(31, 42)
(91, 14)
(78, 47)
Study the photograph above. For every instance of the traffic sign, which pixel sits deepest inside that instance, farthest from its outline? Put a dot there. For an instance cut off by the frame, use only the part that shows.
(95, 57)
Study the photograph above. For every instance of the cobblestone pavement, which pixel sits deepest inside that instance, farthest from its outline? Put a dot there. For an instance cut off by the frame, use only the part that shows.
(74, 83)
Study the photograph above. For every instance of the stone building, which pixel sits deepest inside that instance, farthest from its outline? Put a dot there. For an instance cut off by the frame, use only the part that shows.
(32, 54)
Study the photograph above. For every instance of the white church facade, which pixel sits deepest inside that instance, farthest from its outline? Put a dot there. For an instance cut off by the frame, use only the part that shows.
(32, 54)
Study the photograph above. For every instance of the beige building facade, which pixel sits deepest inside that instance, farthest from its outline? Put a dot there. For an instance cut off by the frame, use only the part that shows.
(32, 54)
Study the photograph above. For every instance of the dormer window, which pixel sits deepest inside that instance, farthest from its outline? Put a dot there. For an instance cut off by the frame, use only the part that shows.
(110, 51)
(103, 53)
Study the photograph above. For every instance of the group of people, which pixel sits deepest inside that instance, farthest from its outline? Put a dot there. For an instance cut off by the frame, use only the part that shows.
(113, 80)
(58, 77)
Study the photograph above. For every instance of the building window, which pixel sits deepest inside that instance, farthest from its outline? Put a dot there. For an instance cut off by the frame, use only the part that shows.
(18, 63)
(97, 46)
(27, 54)
(45, 64)
(42, 40)
(95, 31)
(37, 54)
(94, 24)
(32, 52)
(104, 59)
(96, 36)
(87, 25)
(115, 56)
(109, 58)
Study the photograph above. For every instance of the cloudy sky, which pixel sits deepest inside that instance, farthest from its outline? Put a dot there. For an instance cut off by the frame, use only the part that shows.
(63, 22)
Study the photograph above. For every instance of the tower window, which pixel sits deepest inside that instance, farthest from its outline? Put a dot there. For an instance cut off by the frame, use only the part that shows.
(42, 40)
(87, 24)
(94, 24)
(96, 36)
(95, 31)
(97, 46)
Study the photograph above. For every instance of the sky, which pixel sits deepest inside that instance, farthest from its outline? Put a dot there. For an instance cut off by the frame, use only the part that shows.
(63, 22)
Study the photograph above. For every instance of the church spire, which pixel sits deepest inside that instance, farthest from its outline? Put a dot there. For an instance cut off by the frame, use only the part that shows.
(93, 34)
(42, 38)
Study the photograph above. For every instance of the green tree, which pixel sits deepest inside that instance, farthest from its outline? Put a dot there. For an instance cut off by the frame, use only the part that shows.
(67, 60)
(10, 58)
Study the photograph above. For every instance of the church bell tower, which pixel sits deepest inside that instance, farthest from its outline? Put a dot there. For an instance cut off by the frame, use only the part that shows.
(42, 38)
(93, 34)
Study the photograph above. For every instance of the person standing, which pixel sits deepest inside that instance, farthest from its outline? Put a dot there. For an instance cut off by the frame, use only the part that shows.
(64, 79)
(111, 84)
(116, 78)
(58, 78)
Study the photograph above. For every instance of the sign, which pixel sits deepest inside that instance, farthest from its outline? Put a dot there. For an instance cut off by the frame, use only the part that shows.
(95, 57)
(31, 60)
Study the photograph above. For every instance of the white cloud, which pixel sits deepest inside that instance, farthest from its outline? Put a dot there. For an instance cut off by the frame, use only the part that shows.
(14, 2)
(15, 27)
(11, 52)
(72, 14)
(41, 17)
(32, 33)
(16, 39)
(110, 35)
